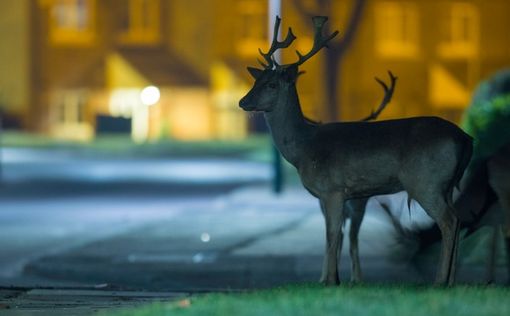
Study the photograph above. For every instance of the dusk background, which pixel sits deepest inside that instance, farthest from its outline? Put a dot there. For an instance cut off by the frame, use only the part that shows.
(126, 163)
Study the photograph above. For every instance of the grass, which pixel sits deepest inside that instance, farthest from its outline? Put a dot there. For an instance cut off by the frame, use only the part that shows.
(344, 300)
(256, 147)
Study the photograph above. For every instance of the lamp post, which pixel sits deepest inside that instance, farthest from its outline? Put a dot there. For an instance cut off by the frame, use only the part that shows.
(148, 97)
(274, 10)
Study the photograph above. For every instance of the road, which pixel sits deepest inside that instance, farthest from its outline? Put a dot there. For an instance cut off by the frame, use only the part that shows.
(52, 201)
(69, 219)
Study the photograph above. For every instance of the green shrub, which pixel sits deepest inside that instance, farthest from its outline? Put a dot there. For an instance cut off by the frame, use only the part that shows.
(487, 119)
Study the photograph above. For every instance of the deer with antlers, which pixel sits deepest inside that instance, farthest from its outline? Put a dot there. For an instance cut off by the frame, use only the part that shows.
(342, 161)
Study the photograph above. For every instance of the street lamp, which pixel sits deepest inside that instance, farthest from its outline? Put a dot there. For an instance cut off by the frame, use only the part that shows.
(150, 95)
(275, 8)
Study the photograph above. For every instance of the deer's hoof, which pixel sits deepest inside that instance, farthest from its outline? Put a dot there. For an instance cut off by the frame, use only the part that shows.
(356, 280)
(442, 283)
(330, 281)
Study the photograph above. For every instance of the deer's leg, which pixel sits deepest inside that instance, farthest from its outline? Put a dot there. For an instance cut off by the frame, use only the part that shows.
(505, 203)
(324, 272)
(332, 207)
(503, 192)
(491, 262)
(507, 244)
(356, 215)
(447, 261)
(448, 224)
(499, 172)
(504, 200)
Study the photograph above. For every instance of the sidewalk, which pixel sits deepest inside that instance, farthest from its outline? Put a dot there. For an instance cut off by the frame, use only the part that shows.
(70, 302)
(248, 239)
(244, 240)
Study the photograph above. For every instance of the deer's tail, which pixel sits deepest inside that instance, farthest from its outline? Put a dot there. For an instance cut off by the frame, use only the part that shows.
(476, 195)
(466, 151)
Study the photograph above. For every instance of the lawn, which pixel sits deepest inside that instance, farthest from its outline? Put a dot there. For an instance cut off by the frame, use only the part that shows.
(314, 299)
(253, 147)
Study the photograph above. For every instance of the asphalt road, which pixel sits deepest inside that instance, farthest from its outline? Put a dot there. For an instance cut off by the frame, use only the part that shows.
(53, 201)
(68, 220)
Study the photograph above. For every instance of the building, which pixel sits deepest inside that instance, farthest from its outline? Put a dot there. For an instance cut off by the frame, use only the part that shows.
(76, 68)
(439, 49)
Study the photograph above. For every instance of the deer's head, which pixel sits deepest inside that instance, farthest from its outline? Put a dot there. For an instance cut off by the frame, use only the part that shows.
(275, 79)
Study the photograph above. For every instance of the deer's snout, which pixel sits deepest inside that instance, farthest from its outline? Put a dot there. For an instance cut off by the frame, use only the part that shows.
(245, 104)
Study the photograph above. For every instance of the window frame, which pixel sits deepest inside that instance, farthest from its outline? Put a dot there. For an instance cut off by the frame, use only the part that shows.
(459, 45)
(396, 29)
(72, 34)
(248, 43)
(136, 33)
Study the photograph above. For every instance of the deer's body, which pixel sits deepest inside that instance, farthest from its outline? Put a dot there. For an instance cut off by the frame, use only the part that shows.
(499, 179)
(483, 201)
(340, 156)
(340, 161)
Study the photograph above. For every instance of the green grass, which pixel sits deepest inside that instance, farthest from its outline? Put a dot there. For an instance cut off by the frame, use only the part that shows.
(343, 300)
(255, 148)
(22, 139)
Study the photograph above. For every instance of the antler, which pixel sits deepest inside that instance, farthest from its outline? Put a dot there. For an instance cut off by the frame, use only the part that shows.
(388, 93)
(275, 44)
(318, 40)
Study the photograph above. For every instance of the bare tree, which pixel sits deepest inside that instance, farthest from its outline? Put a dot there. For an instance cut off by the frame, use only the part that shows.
(334, 56)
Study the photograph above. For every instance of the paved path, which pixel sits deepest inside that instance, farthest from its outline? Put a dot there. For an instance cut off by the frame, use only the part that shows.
(247, 239)
(77, 301)
(131, 233)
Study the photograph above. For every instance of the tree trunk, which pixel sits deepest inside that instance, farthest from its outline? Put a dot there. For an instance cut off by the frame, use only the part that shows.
(332, 76)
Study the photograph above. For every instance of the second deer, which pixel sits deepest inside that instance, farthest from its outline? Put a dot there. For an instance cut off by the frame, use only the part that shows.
(426, 156)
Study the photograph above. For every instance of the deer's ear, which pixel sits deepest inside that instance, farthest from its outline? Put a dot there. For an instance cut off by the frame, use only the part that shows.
(291, 73)
(254, 72)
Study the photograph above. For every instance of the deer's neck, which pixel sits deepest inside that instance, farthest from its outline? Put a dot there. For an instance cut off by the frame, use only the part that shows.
(288, 127)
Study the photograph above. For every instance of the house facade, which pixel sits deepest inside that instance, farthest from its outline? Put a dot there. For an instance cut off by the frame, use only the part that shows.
(439, 49)
(78, 68)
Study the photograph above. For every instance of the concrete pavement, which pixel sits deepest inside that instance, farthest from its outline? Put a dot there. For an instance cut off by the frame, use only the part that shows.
(77, 301)
(127, 234)
(248, 239)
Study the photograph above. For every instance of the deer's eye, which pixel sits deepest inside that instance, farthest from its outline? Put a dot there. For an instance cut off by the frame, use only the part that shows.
(272, 85)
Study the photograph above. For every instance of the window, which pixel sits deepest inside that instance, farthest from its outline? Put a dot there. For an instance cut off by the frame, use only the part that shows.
(69, 119)
(396, 29)
(460, 32)
(252, 29)
(70, 107)
(72, 21)
(140, 22)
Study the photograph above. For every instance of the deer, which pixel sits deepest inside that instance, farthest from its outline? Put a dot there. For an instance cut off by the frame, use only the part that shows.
(342, 161)
(484, 197)
(484, 200)
(498, 177)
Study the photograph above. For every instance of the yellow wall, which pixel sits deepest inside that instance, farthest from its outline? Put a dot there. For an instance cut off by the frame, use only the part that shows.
(15, 58)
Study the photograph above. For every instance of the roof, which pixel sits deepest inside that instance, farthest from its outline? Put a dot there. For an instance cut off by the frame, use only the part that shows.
(239, 68)
(162, 67)
(90, 74)
(156, 64)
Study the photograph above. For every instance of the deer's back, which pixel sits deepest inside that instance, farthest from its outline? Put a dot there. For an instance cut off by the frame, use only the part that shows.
(375, 157)
(402, 137)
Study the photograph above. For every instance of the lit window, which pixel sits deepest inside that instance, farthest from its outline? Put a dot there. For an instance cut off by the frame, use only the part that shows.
(396, 29)
(460, 32)
(70, 107)
(72, 21)
(140, 22)
(252, 29)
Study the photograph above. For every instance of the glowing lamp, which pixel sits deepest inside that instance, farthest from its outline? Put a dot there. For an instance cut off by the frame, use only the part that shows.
(150, 95)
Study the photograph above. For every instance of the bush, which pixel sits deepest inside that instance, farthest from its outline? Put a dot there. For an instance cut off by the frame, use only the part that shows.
(487, 119)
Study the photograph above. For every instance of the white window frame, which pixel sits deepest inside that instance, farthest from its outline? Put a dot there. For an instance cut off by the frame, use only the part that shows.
(463, 29)
(396, 29)
(72, 22)
(139, 32)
